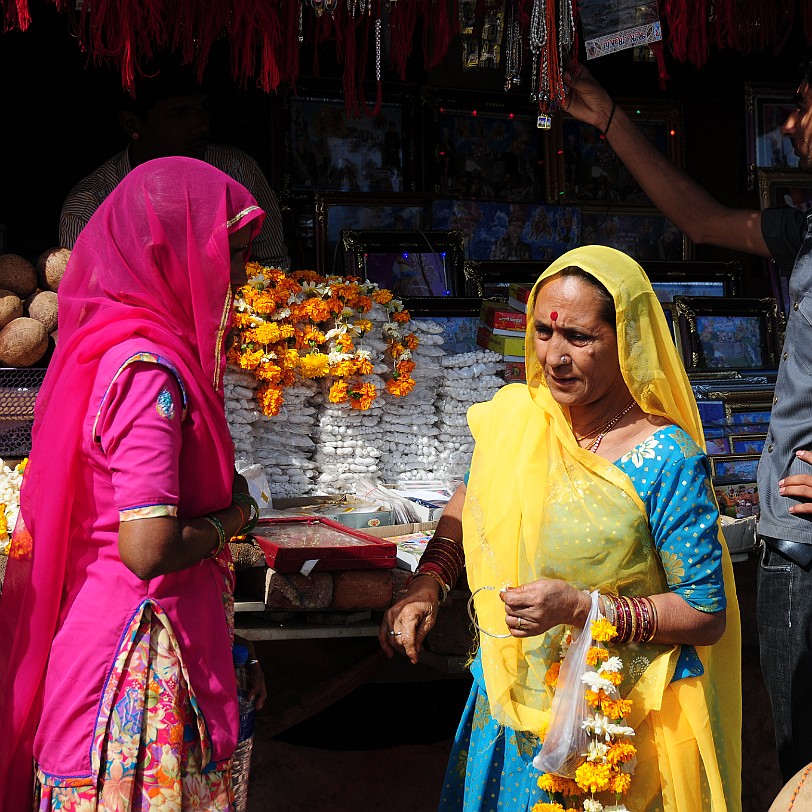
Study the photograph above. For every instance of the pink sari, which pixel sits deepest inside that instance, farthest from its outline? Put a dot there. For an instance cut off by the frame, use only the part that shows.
(153, 263)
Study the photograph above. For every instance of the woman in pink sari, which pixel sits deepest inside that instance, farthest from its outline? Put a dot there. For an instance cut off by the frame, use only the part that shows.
(116, 619)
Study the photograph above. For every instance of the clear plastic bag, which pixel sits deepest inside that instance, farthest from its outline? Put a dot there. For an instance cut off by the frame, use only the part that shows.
(566, 740)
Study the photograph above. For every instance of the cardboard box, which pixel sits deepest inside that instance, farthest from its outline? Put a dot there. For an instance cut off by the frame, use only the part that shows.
(504, 345)
(514, 369)
(519, 295)
(499, 316)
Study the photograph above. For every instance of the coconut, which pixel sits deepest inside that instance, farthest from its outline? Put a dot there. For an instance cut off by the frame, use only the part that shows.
(42, 307)
(10, 307)
(23, 342)
(51, 266)
(18, 275)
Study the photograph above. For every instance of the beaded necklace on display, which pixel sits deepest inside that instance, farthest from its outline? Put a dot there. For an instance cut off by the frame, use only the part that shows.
(605, 428)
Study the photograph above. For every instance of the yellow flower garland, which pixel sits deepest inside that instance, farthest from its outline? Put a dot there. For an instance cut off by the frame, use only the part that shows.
(608, 764)
(299, 325)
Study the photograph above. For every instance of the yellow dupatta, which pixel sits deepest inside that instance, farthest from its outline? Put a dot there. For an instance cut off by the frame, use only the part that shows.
(538, 505)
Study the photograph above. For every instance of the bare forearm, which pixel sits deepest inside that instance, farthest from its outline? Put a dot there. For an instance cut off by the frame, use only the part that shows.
(680, 198)
(679, 622)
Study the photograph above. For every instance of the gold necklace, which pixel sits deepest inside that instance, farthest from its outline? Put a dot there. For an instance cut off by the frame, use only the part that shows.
(605, 428)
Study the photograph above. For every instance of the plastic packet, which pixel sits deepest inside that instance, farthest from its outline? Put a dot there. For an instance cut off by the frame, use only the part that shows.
(258, 485)
(403, 510)
(566, 740)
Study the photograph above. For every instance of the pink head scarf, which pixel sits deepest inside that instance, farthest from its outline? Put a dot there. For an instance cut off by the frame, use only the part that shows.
(154, 263)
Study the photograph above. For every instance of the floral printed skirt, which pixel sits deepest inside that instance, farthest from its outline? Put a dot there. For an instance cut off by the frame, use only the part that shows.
(151, 749)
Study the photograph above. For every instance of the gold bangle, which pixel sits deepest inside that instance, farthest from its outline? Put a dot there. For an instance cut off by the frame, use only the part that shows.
(221, 535)
(444, 588)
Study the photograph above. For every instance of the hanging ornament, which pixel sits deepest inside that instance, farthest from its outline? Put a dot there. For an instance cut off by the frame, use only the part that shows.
(513, 48)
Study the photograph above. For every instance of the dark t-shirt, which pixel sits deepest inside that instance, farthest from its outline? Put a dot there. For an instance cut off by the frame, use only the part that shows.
(783, 229)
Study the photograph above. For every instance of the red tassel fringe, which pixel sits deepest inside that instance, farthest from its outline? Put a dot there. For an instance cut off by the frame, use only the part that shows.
(263, 34)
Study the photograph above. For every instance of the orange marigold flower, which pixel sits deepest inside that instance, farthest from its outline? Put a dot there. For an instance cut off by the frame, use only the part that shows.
(405, 367)
(305, 276)
(411, 341)
(543, 730)
(338, 392)
(362, 397)
(364, 325)
(620, 782)
(603, 631)
(342, 368)
(288, 377)
(616, 708)
(400, 387)
(551, 677)
(250, 359)
(364, 366)
(593, 698)
(382, 296)
(363, 304)
(270, 373)
(270, 400)
(401, 316)
(592, 776)
(596, 654)
(620, 752)
(344, 343)
(545, 807)
(615, 677)
(557, 783)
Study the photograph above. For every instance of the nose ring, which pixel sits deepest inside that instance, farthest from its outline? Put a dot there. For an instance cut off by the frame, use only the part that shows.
(565, 359)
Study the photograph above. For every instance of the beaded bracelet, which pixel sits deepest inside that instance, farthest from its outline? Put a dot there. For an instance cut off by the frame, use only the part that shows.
(247, 499)
(221, 535)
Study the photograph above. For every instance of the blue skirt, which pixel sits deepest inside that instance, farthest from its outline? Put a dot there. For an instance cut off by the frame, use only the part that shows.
(491, 766)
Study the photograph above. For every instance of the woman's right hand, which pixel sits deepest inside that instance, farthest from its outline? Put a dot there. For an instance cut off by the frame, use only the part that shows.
(411, 619)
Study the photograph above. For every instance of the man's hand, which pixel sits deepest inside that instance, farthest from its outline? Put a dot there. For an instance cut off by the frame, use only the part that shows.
(799, 486)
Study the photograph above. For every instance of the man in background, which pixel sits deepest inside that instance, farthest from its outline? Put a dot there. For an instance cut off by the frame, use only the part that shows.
(785, 469)
(168, 115)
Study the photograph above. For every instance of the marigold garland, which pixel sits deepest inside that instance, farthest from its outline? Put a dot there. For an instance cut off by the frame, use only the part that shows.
(299, 325)
(610, 758)
(10, 482)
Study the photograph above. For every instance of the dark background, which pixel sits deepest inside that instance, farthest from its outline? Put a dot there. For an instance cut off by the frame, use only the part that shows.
(59, 119)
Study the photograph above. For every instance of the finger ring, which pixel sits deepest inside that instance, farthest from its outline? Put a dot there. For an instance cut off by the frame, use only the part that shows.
(520, 624)
(394, 633)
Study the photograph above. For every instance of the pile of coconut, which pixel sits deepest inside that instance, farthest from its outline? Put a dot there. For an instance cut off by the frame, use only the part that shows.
(28, 306)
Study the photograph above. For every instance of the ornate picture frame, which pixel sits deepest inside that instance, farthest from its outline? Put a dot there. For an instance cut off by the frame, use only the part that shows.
(484, 146)
(337, 212)
(322, 149)
(747, 443)
(408, 263)
(692, 278)
(728, 334)
(781, 188)
(491, 279)
(735, 467)
(644, 234)
(585, 169)
(766, 109)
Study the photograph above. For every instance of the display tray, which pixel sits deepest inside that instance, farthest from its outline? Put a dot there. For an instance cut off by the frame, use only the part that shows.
(293, 544)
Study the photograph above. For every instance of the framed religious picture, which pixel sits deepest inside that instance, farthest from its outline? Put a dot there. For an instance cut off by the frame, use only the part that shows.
(337, 212)
(737, 499)
(781, 188)
(326, 147)
(485, 146)
(677, 278)
(585, 168)
(728, 334)
(408, 263)
(741, 467)
(747, 443)
(491, 279)
(766, 109)
(509, 232)
(643, 234)
(717, 445)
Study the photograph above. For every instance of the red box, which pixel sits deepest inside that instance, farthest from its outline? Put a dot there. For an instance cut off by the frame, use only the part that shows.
(519, 295)
(290, 542)
(514, 370)
(500, 317)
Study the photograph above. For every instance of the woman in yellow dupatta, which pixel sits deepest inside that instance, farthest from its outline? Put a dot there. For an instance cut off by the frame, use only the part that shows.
(592, 476)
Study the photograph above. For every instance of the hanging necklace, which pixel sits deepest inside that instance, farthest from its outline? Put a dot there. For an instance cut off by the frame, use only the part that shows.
(605, 428)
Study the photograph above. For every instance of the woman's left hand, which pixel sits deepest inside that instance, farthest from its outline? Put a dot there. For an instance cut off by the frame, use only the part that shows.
(533, 608)
(258, 692)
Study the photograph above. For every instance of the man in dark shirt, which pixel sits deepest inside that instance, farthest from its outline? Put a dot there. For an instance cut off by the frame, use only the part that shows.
(785, 468)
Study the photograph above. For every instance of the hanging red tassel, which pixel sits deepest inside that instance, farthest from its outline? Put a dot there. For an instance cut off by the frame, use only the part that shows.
(659, 55)
(402, 21)
(437, 23)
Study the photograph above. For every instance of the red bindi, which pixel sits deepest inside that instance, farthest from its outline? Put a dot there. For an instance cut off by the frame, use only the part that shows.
(553, 315)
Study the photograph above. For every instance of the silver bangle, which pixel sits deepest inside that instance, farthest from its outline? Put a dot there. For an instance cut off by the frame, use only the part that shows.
(473, 616)
(251, 662)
